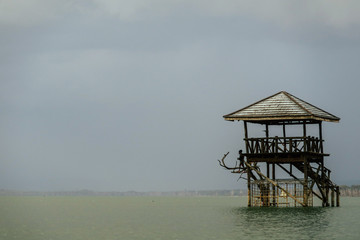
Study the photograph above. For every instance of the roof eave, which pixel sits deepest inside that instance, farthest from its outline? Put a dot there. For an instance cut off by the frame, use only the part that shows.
(280, 118)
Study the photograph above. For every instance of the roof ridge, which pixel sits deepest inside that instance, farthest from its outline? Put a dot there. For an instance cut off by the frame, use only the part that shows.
(296, 102)
(253, 104)
(315, 107)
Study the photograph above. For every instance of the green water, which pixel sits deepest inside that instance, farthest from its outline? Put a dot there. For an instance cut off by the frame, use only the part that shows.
(104, 218)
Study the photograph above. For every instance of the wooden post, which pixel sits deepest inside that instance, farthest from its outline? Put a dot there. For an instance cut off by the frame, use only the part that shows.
(273, 187)
(322, 181)
(268, 187)
(295, 193)
(284, 135)
(267, 130)
(246, 137)
(248, 186)
(332, 196)
(284, 130)
(304, 135)
(267, 137)
(305, 182)
(337, 196)
(321, 138)
(327, 195)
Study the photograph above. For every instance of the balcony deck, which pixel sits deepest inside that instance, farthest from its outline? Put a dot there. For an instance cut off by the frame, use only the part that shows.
(284, 149)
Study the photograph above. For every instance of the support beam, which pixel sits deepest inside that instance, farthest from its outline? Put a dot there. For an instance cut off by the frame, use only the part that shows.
(268, 175)
(267, 137)
(267, 130)
(315, 176)
(246, 137)
(284, 130)
(321, 138)
(273, 188)
(293, 176)
(321, 190)
(305, 182)
(327, 189)
(274, 183)
(284, 135)
(248, 185)
(322, 182)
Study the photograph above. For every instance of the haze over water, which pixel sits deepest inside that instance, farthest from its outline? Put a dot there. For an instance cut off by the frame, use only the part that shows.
(60, 218)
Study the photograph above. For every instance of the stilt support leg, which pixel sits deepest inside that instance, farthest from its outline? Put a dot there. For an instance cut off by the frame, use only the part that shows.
(248, 187)
(332, 197)
(337, 196)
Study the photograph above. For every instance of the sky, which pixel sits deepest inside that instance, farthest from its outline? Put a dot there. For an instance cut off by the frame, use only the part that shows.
(120, 95)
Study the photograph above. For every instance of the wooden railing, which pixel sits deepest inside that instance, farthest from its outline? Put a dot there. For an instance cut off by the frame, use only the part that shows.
(283, 145)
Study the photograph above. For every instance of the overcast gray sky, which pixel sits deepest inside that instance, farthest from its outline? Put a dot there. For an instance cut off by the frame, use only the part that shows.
(129, 94)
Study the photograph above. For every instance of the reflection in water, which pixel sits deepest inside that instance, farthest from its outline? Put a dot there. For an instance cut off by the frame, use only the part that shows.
(281, 223)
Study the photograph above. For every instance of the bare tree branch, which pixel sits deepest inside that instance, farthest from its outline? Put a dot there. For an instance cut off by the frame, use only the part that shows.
(223, 164)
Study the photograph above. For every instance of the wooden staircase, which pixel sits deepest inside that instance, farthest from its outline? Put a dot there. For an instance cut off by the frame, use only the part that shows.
(320, 176)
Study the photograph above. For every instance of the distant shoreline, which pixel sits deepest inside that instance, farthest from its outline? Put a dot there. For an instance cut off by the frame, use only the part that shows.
(350, 191)
(85, 192)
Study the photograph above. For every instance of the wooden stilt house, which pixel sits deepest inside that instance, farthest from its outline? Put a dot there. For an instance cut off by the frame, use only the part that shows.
(300, 157)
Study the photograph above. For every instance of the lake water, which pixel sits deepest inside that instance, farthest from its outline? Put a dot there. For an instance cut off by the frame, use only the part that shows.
(168, 218)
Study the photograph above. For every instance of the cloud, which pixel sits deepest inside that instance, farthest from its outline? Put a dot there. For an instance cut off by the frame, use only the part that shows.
(284, 13)
(333, 13)
(22, 12)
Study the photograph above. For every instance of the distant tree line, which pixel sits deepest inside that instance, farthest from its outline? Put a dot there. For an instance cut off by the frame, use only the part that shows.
(183, 193)
(352, 191)
(347, 191)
